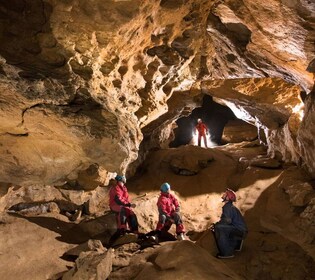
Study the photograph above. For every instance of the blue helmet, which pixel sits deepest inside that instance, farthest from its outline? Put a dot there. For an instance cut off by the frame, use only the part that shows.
(120, 178)
(165, 187)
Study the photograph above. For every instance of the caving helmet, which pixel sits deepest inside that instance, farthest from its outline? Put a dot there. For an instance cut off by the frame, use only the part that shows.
(229, 195)
(121, 178)
(165, 187)
(199, 120)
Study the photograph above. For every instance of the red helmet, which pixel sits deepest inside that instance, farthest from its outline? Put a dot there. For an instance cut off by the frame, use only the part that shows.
(229, 195)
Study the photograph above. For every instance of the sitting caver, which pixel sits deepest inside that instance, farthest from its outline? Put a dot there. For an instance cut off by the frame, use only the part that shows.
(169, 213)
(119, 203)
(230, 231)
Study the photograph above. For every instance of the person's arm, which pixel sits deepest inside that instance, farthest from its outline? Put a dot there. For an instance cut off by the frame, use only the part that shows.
(175, 203)
(205, 128)
(227, 215)
(120, 199)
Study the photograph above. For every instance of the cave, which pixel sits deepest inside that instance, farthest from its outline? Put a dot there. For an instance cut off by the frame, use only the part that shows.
(214, 115)
(94, 89)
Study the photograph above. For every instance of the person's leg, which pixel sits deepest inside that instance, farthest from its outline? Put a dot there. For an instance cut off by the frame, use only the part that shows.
(161, 223)
(199, 139)
(167, 225)
(121, 217)
(131, 220)
(222, 236)
(205, 140)
(178, 222)
(236, 239)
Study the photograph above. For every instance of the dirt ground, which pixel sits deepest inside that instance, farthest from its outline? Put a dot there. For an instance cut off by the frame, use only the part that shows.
(31, 247)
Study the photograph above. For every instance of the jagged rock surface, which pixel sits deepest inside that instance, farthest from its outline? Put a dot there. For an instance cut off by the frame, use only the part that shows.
(237, 131)
(82, 82)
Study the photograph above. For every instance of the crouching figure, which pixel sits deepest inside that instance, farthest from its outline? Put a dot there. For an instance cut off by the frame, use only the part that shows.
(231, 230)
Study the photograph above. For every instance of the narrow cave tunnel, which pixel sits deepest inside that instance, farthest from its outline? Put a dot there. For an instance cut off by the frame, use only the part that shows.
(214, 115)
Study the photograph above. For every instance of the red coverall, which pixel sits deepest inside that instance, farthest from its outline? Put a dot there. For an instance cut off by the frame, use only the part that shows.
(202, 131)
(120, 204)
(168, 207)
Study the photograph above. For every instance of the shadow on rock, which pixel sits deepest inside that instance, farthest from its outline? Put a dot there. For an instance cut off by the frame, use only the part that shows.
(100, 228)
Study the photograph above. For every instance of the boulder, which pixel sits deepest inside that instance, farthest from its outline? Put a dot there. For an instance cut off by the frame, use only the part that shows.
(236, 131)
(92, 266)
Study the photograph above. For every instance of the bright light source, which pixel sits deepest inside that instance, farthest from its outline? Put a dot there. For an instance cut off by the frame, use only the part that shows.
(194, 141)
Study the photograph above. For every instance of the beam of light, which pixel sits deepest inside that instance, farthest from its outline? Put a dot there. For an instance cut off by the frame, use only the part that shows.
(210, 143)
(299, 110)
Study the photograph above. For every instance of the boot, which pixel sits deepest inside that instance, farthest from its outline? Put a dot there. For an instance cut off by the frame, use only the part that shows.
(181, 236)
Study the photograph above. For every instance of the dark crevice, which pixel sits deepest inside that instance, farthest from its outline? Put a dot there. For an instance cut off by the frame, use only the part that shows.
(16, 134)
(239, 34)
(28, 108)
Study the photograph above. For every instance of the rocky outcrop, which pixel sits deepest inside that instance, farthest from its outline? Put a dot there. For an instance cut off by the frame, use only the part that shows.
(82, 82)
(52, 199)
(306, 133)
(237, 131)
(91, 265)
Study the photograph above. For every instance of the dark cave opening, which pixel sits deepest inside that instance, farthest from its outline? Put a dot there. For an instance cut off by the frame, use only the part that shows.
(214, 115)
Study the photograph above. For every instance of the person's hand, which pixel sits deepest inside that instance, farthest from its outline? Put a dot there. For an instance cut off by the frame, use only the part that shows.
(133, 205)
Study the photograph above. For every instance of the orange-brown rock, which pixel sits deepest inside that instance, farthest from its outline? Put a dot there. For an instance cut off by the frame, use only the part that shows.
(81, 82)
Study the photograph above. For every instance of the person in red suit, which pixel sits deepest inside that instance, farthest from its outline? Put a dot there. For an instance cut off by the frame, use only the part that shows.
(169, 212)
(120, 204)
(202, 130)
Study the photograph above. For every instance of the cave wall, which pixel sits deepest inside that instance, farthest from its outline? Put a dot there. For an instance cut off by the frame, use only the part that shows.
(83, 82)
(306, 132)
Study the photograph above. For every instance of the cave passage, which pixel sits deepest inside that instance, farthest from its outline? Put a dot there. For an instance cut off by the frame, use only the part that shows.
(214, 115)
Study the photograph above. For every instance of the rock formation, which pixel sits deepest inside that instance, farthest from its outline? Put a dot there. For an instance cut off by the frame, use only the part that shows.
(83, 82)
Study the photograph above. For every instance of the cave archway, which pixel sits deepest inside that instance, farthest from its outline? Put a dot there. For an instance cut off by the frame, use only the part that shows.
(214, 115)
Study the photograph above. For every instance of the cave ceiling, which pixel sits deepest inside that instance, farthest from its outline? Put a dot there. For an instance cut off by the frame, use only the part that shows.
(85, 81)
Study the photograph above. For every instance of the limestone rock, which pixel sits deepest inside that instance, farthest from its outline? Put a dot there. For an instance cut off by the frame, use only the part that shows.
(125, 239)
(308, 213)
(91, 265)
(176, 261)
(265, 162)
(306, 132)
(101, 228)
(124, 253)
(90, 245)
(238, 131)
(189, 165)
(300, 194)
(32, 209)
(79, 82)
(207, 241)
(28, 196)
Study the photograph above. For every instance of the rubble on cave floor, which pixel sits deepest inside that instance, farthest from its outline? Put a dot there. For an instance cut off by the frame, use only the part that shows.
(276, 202)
